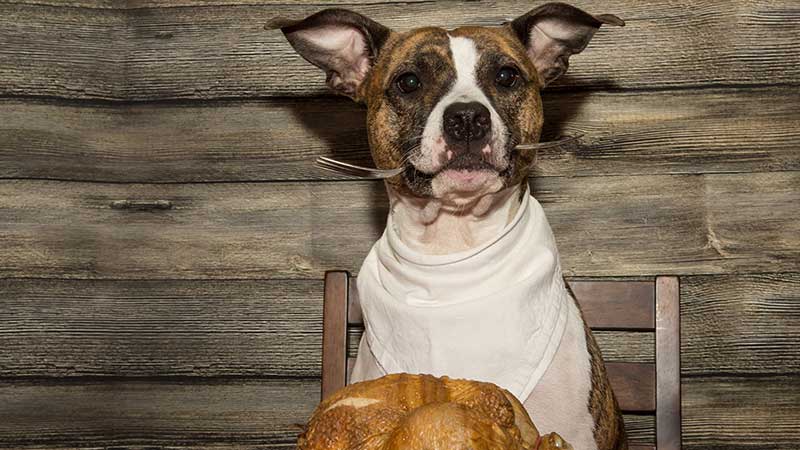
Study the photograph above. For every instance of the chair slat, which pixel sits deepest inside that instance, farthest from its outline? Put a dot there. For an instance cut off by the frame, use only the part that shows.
(615, 305)
(634, 385)
(334, 336)
(668, 361)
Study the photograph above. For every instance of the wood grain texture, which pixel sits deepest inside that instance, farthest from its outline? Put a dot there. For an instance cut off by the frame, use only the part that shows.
(730, 413)
(605, 226)
(741, 413)
(265, 230)
(59, 328)
(640, 429)
(195, 413)
(139, 4)
(642, 447)
(625, 134)
(62, 52)
(223, 51)
(740, 324)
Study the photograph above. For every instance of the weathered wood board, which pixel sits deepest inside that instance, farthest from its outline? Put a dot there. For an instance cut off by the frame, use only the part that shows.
(626, 133)
(741, 413)
(71, 328)
(137, 413)
(605, 226)
(737, 325)
(221, 50)
(743, 324)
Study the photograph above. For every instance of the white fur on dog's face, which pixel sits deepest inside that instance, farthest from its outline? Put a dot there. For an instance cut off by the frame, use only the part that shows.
(434, 154)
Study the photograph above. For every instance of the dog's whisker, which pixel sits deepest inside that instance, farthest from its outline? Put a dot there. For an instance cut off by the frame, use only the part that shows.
(354, 170)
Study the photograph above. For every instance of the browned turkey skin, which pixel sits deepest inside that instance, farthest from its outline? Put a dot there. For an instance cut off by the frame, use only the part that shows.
(422, 412)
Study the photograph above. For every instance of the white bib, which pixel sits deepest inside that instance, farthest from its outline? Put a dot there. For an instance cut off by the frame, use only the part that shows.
(495, 313)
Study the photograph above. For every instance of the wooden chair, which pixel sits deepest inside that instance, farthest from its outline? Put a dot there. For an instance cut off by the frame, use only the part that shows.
(607, 305)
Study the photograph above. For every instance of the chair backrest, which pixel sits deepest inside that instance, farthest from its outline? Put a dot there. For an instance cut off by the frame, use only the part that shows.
(640, 388)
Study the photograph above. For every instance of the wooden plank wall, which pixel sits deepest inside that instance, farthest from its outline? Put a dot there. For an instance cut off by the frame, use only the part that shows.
(163, 234)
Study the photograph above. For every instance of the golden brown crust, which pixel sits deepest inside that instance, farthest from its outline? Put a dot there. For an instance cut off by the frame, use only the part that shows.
(405, 411)
(452, 426)
(522, 420)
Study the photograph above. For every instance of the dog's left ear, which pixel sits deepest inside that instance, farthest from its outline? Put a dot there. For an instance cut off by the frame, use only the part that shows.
(342, 43)
(553, 32)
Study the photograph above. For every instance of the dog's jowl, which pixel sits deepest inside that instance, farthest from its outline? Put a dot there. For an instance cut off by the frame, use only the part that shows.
(466, 280)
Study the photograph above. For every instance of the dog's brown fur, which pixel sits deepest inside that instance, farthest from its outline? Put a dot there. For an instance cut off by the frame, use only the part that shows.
(609, 428)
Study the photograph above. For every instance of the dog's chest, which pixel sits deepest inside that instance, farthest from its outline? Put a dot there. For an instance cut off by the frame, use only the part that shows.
(560, 402)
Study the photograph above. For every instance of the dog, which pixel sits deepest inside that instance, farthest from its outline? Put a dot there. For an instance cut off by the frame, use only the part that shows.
(466, 280)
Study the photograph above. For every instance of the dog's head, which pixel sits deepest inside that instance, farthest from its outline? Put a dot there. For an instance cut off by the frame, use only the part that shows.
(449, 106)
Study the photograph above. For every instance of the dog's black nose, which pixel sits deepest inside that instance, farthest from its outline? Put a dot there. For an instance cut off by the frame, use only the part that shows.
(467, 122)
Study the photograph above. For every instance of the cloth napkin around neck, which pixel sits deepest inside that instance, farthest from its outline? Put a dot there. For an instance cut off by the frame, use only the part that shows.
(494, 313)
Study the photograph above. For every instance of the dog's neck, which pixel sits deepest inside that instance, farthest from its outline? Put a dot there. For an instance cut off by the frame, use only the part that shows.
(431, 226)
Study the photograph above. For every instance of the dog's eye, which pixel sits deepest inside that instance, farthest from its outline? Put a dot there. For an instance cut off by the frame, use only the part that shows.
(507, 76)
(408, 83)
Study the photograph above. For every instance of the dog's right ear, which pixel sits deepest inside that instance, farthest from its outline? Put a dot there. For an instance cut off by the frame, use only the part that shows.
(343, 43)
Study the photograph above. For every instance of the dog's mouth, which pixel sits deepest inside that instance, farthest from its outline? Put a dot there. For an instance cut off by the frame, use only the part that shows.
(456, 158)
(467, 173)
(468, 163)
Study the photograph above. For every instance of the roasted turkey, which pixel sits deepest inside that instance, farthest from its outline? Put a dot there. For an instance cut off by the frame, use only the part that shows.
(422, 412)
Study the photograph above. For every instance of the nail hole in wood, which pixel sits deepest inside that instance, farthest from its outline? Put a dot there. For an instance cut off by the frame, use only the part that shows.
(141, 205)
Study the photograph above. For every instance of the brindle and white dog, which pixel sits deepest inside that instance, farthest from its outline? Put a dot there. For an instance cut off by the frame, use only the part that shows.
(451, 107)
